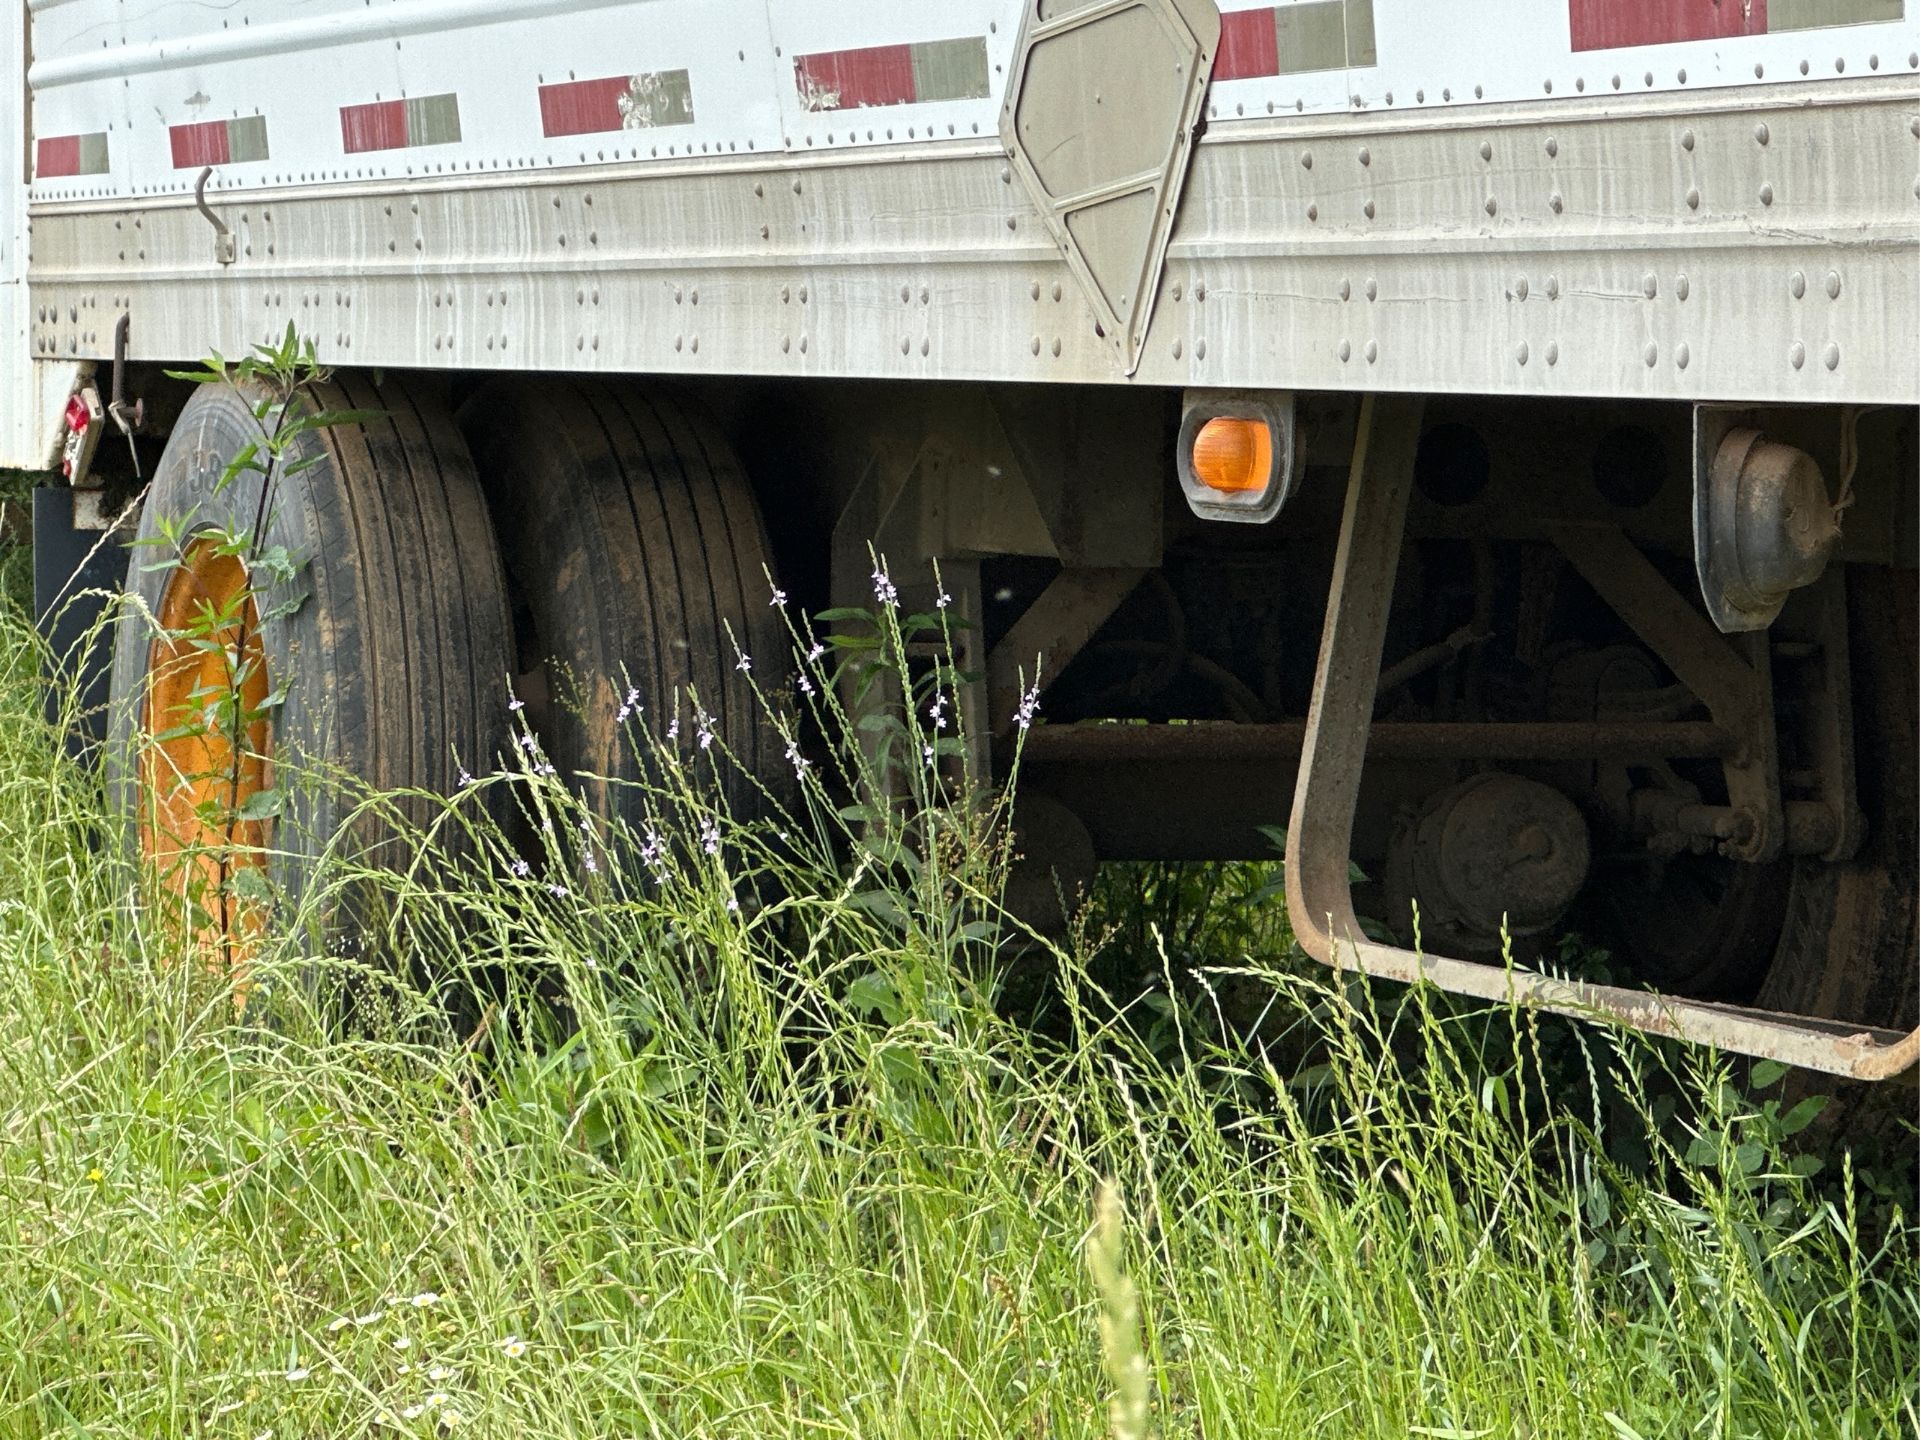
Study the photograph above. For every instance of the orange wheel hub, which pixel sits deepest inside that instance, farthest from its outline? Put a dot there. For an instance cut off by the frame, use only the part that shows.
(207, 755)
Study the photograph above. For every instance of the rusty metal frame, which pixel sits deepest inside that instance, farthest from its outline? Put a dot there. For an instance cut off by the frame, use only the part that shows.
(1319, 897)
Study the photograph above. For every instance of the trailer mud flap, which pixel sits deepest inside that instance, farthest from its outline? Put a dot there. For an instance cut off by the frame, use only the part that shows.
(1319, 897)
(1100, 121)
(78, 569)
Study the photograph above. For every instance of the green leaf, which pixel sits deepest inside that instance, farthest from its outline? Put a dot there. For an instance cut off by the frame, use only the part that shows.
(844, 612)
(261, 805)
(872, 992)
(1766, 1073)
(1804, 1114)
(250, 882)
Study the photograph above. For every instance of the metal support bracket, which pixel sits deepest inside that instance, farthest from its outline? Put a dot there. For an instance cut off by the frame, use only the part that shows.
(1319, 898)
(1736, 687)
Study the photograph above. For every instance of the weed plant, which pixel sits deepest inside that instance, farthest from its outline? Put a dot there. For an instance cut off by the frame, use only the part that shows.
(727, 1126)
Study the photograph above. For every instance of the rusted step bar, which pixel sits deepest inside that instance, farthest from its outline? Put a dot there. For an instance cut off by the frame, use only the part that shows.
(1319, 897)
(1414, 740)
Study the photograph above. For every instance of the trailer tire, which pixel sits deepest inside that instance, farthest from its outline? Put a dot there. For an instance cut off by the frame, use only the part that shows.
(391, 643)
(1848, 948)
(640, 568)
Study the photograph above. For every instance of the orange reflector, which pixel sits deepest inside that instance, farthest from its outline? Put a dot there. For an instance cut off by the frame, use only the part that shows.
(1233, 455)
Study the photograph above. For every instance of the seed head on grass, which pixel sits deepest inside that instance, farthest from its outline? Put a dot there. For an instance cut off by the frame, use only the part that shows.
(1126, 1364)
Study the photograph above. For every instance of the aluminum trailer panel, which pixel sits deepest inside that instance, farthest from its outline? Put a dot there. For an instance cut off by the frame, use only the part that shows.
(1600, 198)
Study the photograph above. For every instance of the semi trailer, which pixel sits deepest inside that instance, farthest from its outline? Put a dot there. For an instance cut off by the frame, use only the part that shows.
(1481, 439)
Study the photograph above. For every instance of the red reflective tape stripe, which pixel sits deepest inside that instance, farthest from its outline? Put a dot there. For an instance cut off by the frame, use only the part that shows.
(379, 126)
(1249, 45)
(1606, 24)
(583, 107)
(55, 156)
(202, 144)
(849, 79)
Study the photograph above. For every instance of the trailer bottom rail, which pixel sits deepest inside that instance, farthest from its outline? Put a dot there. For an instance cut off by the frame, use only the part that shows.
(1319, 895)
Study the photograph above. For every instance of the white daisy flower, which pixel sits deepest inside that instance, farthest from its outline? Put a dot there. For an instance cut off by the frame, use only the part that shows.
(424, 1299)
(298, 1373)
(513, 1347)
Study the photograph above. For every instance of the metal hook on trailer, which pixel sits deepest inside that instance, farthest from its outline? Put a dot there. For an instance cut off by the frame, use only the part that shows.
(224, 249)
(1319, 837)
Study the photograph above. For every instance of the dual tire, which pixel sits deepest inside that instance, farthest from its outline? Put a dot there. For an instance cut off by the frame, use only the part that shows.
(356, 617)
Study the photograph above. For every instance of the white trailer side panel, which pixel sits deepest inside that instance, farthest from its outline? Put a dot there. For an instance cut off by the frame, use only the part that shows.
(1561, 197)
(30, 394)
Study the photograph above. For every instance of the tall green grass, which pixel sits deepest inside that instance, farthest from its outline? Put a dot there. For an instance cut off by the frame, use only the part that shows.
(738, 1133)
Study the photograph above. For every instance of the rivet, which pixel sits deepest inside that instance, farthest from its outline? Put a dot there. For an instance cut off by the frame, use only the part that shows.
(1520, 288)
(1686, 140)
(1306, 160)
(1681, 356)
(1176, 349)
(1520, 352)
(924, 346)
(1796, 354)
(786, 343)
(1200, 291)
(1492, 206)
(694, 345)
(1486, 150)
(1766, 194)
(1200, 348)
(1797, 284)
(1313, 212)
(1554, 203)
(1373, 290)
(906, 345)
(1553, 148)
(1832, 356)
(1012, 223)
(1366, 156)
(1650, 354)
(1056, 292)
(1367, 209)
(1346, 351)
(1761, 135)
(1346, 290)
(1373, 352)
(1833, 284)
(1034, 345)
(1553, 287)
(1553, 354)
(925, 295)
(1650, 285)
(1693, 198)
(678, 341)
(1056, 346)
(1681, 287)
(906, 293)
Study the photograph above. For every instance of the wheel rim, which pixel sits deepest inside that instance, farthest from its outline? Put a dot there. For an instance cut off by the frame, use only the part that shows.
(207, 756)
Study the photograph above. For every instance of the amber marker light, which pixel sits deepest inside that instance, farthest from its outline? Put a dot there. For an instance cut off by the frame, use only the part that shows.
(1233, 455)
